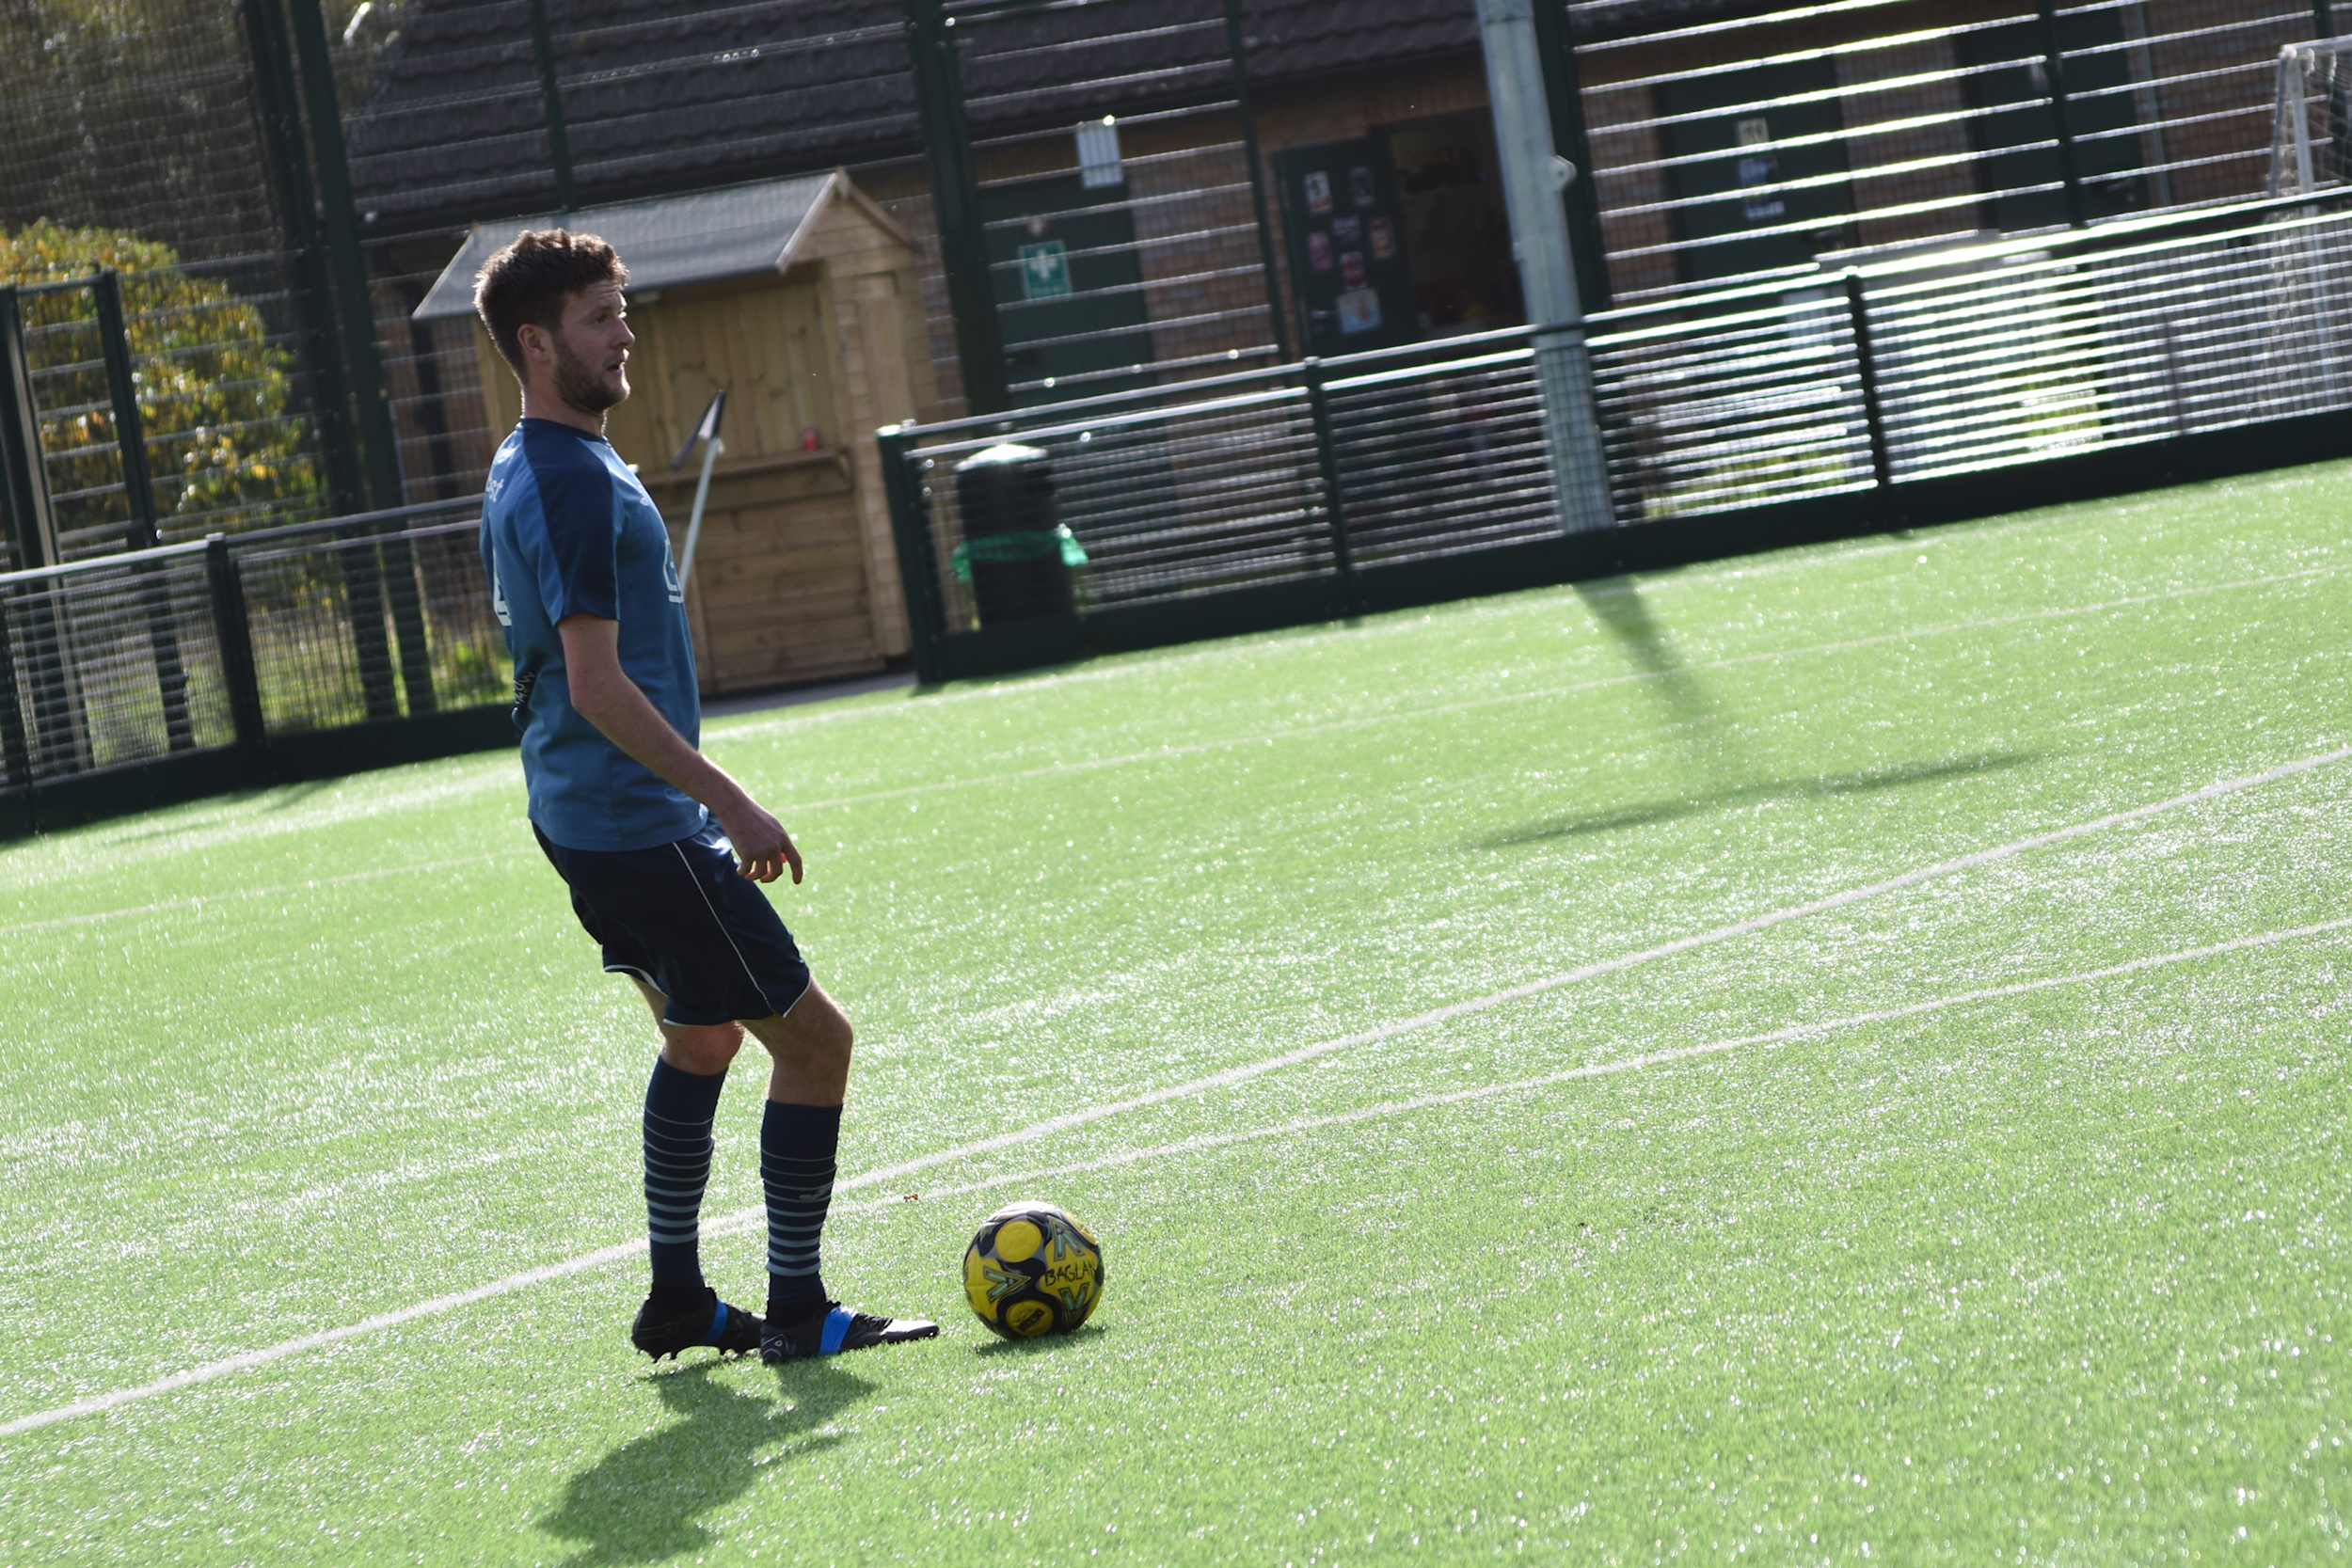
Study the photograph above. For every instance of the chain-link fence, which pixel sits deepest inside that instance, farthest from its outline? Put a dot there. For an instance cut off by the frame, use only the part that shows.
(261, 656)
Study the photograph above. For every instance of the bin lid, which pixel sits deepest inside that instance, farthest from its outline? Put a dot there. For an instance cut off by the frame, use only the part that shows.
(670, 241)
(1004, 454)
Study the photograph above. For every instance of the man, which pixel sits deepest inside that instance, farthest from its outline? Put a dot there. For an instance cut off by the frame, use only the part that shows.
(661, 850)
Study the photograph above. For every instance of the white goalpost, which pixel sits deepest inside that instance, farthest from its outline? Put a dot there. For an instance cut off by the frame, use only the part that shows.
(2305, 70)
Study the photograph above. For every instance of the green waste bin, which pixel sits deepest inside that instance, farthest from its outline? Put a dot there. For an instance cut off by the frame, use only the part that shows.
(1016, 553)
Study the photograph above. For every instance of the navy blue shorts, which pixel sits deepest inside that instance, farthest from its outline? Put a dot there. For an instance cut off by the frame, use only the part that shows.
(678, 917)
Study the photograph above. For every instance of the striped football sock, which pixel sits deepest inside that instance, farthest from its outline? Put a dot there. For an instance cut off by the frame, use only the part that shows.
(679, 1106)
(797, 1144)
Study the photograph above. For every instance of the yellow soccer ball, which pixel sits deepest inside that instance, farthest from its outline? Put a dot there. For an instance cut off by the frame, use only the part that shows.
(1033, 1269)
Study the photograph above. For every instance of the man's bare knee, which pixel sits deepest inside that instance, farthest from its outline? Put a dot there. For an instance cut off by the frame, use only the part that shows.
(701, 1048)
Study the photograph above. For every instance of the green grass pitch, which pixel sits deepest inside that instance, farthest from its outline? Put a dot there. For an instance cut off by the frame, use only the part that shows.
(1814, 1211)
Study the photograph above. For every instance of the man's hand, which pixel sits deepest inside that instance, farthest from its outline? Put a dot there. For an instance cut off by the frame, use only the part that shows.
(762, 847)
(603, 694)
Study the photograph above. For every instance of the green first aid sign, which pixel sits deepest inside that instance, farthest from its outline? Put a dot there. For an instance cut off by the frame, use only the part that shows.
(1044, 270)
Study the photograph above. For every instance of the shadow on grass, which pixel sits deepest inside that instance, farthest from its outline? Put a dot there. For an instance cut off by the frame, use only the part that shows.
(1651, 814)
(642, 1501)
(1044, 1345)
(1621, 610)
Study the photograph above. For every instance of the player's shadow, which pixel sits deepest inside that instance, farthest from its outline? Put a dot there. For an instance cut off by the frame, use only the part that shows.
(644, 1501)
(1651, 814)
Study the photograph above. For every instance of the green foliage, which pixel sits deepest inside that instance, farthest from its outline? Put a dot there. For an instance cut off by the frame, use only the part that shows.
(215, 394)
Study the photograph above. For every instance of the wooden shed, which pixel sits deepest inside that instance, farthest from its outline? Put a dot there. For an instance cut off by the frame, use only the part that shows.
(800, 298)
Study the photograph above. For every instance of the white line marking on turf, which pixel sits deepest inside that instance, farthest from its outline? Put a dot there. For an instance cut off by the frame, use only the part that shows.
(748, 1218)
(1593, 971)
(376, 1324)
(742, 1218)
(1602, 1069)
(1267, 737)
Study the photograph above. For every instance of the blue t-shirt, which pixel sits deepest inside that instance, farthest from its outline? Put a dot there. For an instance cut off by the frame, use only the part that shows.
(566, 530)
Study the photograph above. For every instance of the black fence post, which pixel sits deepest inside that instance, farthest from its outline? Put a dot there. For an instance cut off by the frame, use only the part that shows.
(918, 562)
(1334, 497)
(1866, 362)
(232, 632)
(1238, 47)
(163, 637)
(13, 746)
(276, 98)
(340, 227)
(551, 102)
(23, 479)
(956, 205)
(138, 485)
(1564, 89)
(2054, 65)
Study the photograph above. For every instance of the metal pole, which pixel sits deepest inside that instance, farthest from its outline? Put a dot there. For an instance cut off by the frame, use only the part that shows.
(2054, 66)
(1334, 493)
(234, 633)
(32, 527)
(551, 101)
(340, 225)
(1564, 89)
(275, 96)
(712, 449)
(1866, 365)
(1534, 176)
(956, 205)
(911, 534)
(138, 487)
(379, 439)
(163, 637)
(14, 748)
(1234, 46)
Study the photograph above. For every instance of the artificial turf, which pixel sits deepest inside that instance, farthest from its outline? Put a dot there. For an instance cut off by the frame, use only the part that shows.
(2048, 1272)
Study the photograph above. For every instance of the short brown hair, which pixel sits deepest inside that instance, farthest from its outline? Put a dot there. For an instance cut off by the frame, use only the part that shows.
(530, 279)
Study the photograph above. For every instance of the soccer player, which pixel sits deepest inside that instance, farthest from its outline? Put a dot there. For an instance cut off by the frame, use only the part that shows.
(663, 852)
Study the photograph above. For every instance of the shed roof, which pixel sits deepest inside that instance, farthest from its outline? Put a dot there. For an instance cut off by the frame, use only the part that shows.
(739, 232)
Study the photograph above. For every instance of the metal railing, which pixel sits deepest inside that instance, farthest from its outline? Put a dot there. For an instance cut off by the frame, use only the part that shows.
(258, 655)
(1870, 385)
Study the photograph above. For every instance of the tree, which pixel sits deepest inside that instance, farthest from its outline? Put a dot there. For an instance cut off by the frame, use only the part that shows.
(225, 441)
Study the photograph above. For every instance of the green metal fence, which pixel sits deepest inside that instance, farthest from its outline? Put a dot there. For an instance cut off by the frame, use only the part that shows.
(1987, 377)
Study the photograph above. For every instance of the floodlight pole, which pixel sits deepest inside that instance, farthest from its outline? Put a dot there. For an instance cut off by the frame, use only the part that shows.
(1533, 175)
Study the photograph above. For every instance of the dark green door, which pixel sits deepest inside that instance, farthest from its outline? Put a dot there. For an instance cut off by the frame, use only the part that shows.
(1346, 232)
(1735, 210)
(1069, 304)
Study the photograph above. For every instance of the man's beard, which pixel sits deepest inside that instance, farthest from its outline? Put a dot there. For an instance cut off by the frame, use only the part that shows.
(581, 388)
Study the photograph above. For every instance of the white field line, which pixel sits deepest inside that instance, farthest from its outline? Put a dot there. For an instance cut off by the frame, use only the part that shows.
(1597, 1070)
(745, 1217)
(750, 1218)
(1593, 971)
(1226, 743)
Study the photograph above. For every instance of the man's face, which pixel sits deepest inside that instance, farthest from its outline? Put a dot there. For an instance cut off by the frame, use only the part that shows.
(592, 349)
